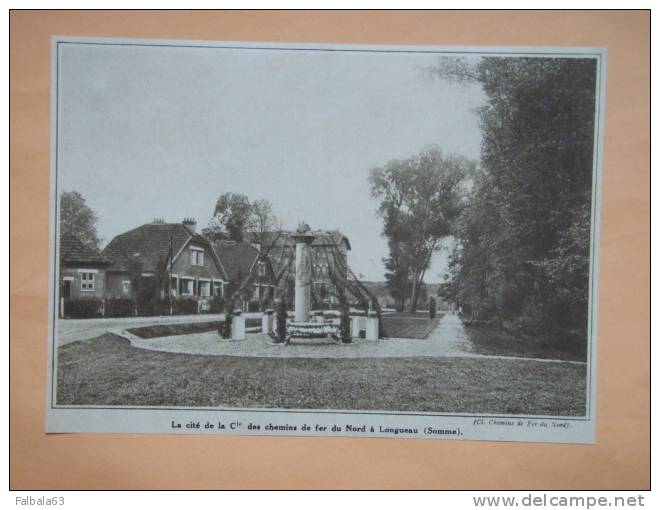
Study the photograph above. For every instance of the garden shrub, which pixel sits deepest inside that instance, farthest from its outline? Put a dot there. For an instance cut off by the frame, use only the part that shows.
(225, 331)
(217, 304)
(147, 297)
(185, 306)
(119, 307)
(154, 306)
(281, 321)
(432, 308)
(345, 325)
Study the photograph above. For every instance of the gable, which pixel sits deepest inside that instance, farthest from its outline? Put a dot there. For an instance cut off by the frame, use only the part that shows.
(236, 258)
(199, 260)
(151, 245)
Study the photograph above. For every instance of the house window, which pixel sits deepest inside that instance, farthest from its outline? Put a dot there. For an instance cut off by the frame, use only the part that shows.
(204, 288)
(186, 286)
(126, 287)
(217, 288)
(255, 294)
(196, 257)
(262, 269)
(87, 281)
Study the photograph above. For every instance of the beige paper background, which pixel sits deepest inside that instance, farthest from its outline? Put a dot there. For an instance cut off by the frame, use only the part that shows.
(620, 459)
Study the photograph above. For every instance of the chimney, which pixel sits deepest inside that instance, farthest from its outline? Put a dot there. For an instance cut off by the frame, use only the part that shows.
(191, 224)
(159, 221)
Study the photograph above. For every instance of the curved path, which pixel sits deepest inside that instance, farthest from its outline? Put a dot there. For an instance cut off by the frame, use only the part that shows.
(73, 330)
(448, 339)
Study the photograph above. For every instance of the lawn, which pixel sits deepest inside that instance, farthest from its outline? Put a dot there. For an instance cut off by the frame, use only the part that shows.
(407, 326)
(498, 342)
(108, 371)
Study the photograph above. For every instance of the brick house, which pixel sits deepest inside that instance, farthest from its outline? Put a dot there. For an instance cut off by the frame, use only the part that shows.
(241, 260)
(82, 270)
(160, 250)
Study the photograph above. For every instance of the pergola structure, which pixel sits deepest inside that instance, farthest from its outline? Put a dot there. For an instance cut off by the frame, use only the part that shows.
(302, 326)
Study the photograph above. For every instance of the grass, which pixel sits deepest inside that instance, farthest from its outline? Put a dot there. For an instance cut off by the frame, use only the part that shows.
(406, 326)
(160, 330)
(497, 342)
(108, 371)
(420, 314)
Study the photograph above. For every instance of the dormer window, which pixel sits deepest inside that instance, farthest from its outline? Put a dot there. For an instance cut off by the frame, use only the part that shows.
(196, 256)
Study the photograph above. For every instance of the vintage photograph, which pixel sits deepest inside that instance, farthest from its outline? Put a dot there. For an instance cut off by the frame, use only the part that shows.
(396, 241)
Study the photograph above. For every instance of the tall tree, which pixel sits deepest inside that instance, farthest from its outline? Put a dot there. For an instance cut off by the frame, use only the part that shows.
(234, 216)
(78, 219)
(231, 216)
(215, 230)
(420, 198)
(262, 223)
(523, 246)
(237, 219)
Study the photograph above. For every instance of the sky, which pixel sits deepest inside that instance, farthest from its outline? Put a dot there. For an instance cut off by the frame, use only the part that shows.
(161, 132)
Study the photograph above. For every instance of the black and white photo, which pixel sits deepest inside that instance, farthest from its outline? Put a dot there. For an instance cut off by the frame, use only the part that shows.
(378, 241)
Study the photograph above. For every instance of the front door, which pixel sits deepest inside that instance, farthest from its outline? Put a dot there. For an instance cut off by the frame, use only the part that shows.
(64, 297)
(66, 289)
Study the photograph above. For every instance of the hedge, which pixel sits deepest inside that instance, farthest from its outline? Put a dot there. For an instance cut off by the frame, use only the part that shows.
(185, 306)
(82, 308)
(119, 307)
(153, 307)
(88, 308)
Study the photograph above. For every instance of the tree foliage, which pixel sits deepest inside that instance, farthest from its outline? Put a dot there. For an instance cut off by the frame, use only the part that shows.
(231, 216)
(420, 199)
(234, 216)
(78, 219)
(522, 251)
(237, 219)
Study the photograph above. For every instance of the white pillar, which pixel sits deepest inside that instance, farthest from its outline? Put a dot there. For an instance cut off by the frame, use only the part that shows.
(355, 326)
(267, 321)
(238, 327)
(303, 277)
(372, 327)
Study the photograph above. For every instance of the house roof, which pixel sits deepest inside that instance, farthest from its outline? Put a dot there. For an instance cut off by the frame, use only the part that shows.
(149, 244)
(329, 238)
(72, 251)
(237, 258)
(321, 237)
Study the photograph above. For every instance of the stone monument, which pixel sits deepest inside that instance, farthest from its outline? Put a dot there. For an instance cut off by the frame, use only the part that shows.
(303, 291)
